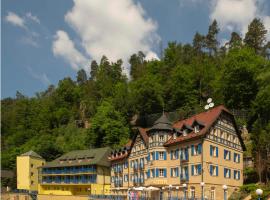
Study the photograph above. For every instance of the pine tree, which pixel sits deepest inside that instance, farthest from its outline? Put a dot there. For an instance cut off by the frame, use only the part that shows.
(256, 35)
(198, 43)
(235, 41)
(211, 38)
(94, 69)
(81, 77)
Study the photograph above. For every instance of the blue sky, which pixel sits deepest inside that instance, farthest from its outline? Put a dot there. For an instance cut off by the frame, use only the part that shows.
(45, 41)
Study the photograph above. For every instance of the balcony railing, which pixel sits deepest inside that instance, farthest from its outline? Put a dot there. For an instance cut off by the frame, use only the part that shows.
(69, 170)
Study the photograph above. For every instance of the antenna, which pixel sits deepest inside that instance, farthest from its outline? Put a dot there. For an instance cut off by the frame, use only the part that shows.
(209, 104)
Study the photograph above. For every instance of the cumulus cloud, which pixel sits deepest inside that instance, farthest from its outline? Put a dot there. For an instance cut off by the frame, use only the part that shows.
(116, 29)
(15, 20)
(64, 47)
(236, 15)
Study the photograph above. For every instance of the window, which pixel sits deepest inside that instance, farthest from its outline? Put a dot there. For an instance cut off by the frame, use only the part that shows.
(212, 193)
(132, 163)
(185, 131)
(228, 137)
(192, 192)
(125, 178)
(161, 172)
(161, 138)
(174, 154)
(236, 174)
(153, 156)
(32, 165)
(196, 129)
(32, 182)
(196, 149)
(227, 173)
(227, 155)
(152, 173)
(174, 172)
(213, 151)
(161, 155)
(32, 173)
(196, 170)
(236, 157)
(213, 170)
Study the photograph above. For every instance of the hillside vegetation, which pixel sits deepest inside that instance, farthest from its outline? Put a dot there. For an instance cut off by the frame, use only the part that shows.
(236, 75)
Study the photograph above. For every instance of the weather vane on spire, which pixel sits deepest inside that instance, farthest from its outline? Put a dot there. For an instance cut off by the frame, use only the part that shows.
(209, 104)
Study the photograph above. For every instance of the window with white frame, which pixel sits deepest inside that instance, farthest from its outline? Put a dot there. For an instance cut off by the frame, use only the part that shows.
(161, 155)
(213, 151)
(196, 129)
(185, 131)
(227, 173)
(236, 174)
(174, 172)
(196, 169)
(152, 173)
(227, 155)
(161, 172)
(213, 170)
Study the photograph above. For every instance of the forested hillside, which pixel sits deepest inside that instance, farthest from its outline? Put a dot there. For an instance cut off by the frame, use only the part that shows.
(236, 74)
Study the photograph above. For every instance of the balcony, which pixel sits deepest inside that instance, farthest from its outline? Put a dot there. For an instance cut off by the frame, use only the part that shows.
(184, 177)
(69, 180)
(69, 170)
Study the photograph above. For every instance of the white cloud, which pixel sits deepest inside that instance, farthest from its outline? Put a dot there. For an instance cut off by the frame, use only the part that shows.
(41, 77)
(151, 56)
(116, 29)
(15, 20)
(32, 17)
(236, 15)
(64, 47)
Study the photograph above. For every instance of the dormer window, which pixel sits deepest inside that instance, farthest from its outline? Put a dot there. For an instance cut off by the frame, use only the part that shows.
(185, 132)
(174, 136)
(196, 129)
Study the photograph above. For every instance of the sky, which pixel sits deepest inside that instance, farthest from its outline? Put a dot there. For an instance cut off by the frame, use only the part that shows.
(44, 41)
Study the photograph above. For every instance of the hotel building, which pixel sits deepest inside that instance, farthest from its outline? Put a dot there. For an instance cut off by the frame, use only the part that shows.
(81, 172)
(27, 171)
(201, 155)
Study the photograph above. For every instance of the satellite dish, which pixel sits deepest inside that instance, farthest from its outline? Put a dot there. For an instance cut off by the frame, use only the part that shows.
(206, 107)
(209, 100)
(211, 105)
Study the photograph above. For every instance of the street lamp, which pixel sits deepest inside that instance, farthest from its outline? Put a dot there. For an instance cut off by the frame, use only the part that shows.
(202, 185)
(185, 186)
(259, 192)
(177, 188)
(225, 187)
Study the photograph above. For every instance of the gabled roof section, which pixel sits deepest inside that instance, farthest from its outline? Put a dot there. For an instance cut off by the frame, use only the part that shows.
(32, 154)
(162, 123)
(207, 118)
(97, 156)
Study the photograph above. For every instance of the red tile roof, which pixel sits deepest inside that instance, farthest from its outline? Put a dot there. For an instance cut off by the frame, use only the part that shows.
(207, 118)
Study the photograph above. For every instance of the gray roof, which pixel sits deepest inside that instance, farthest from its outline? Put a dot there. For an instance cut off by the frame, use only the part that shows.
(97, 156)
(31, 154)
(162, 123)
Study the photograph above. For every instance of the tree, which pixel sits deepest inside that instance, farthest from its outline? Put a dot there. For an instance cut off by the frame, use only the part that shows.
(94, 70)
(239, 85)
(235, 41)
(256, 35)
(81, 77)
(198, 43)
(108, 127)
(211, 38)
(137, 65)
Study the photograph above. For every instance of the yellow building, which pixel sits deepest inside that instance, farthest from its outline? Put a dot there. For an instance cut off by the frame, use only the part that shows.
(27, 170)
(81, 172)
(201, 155)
